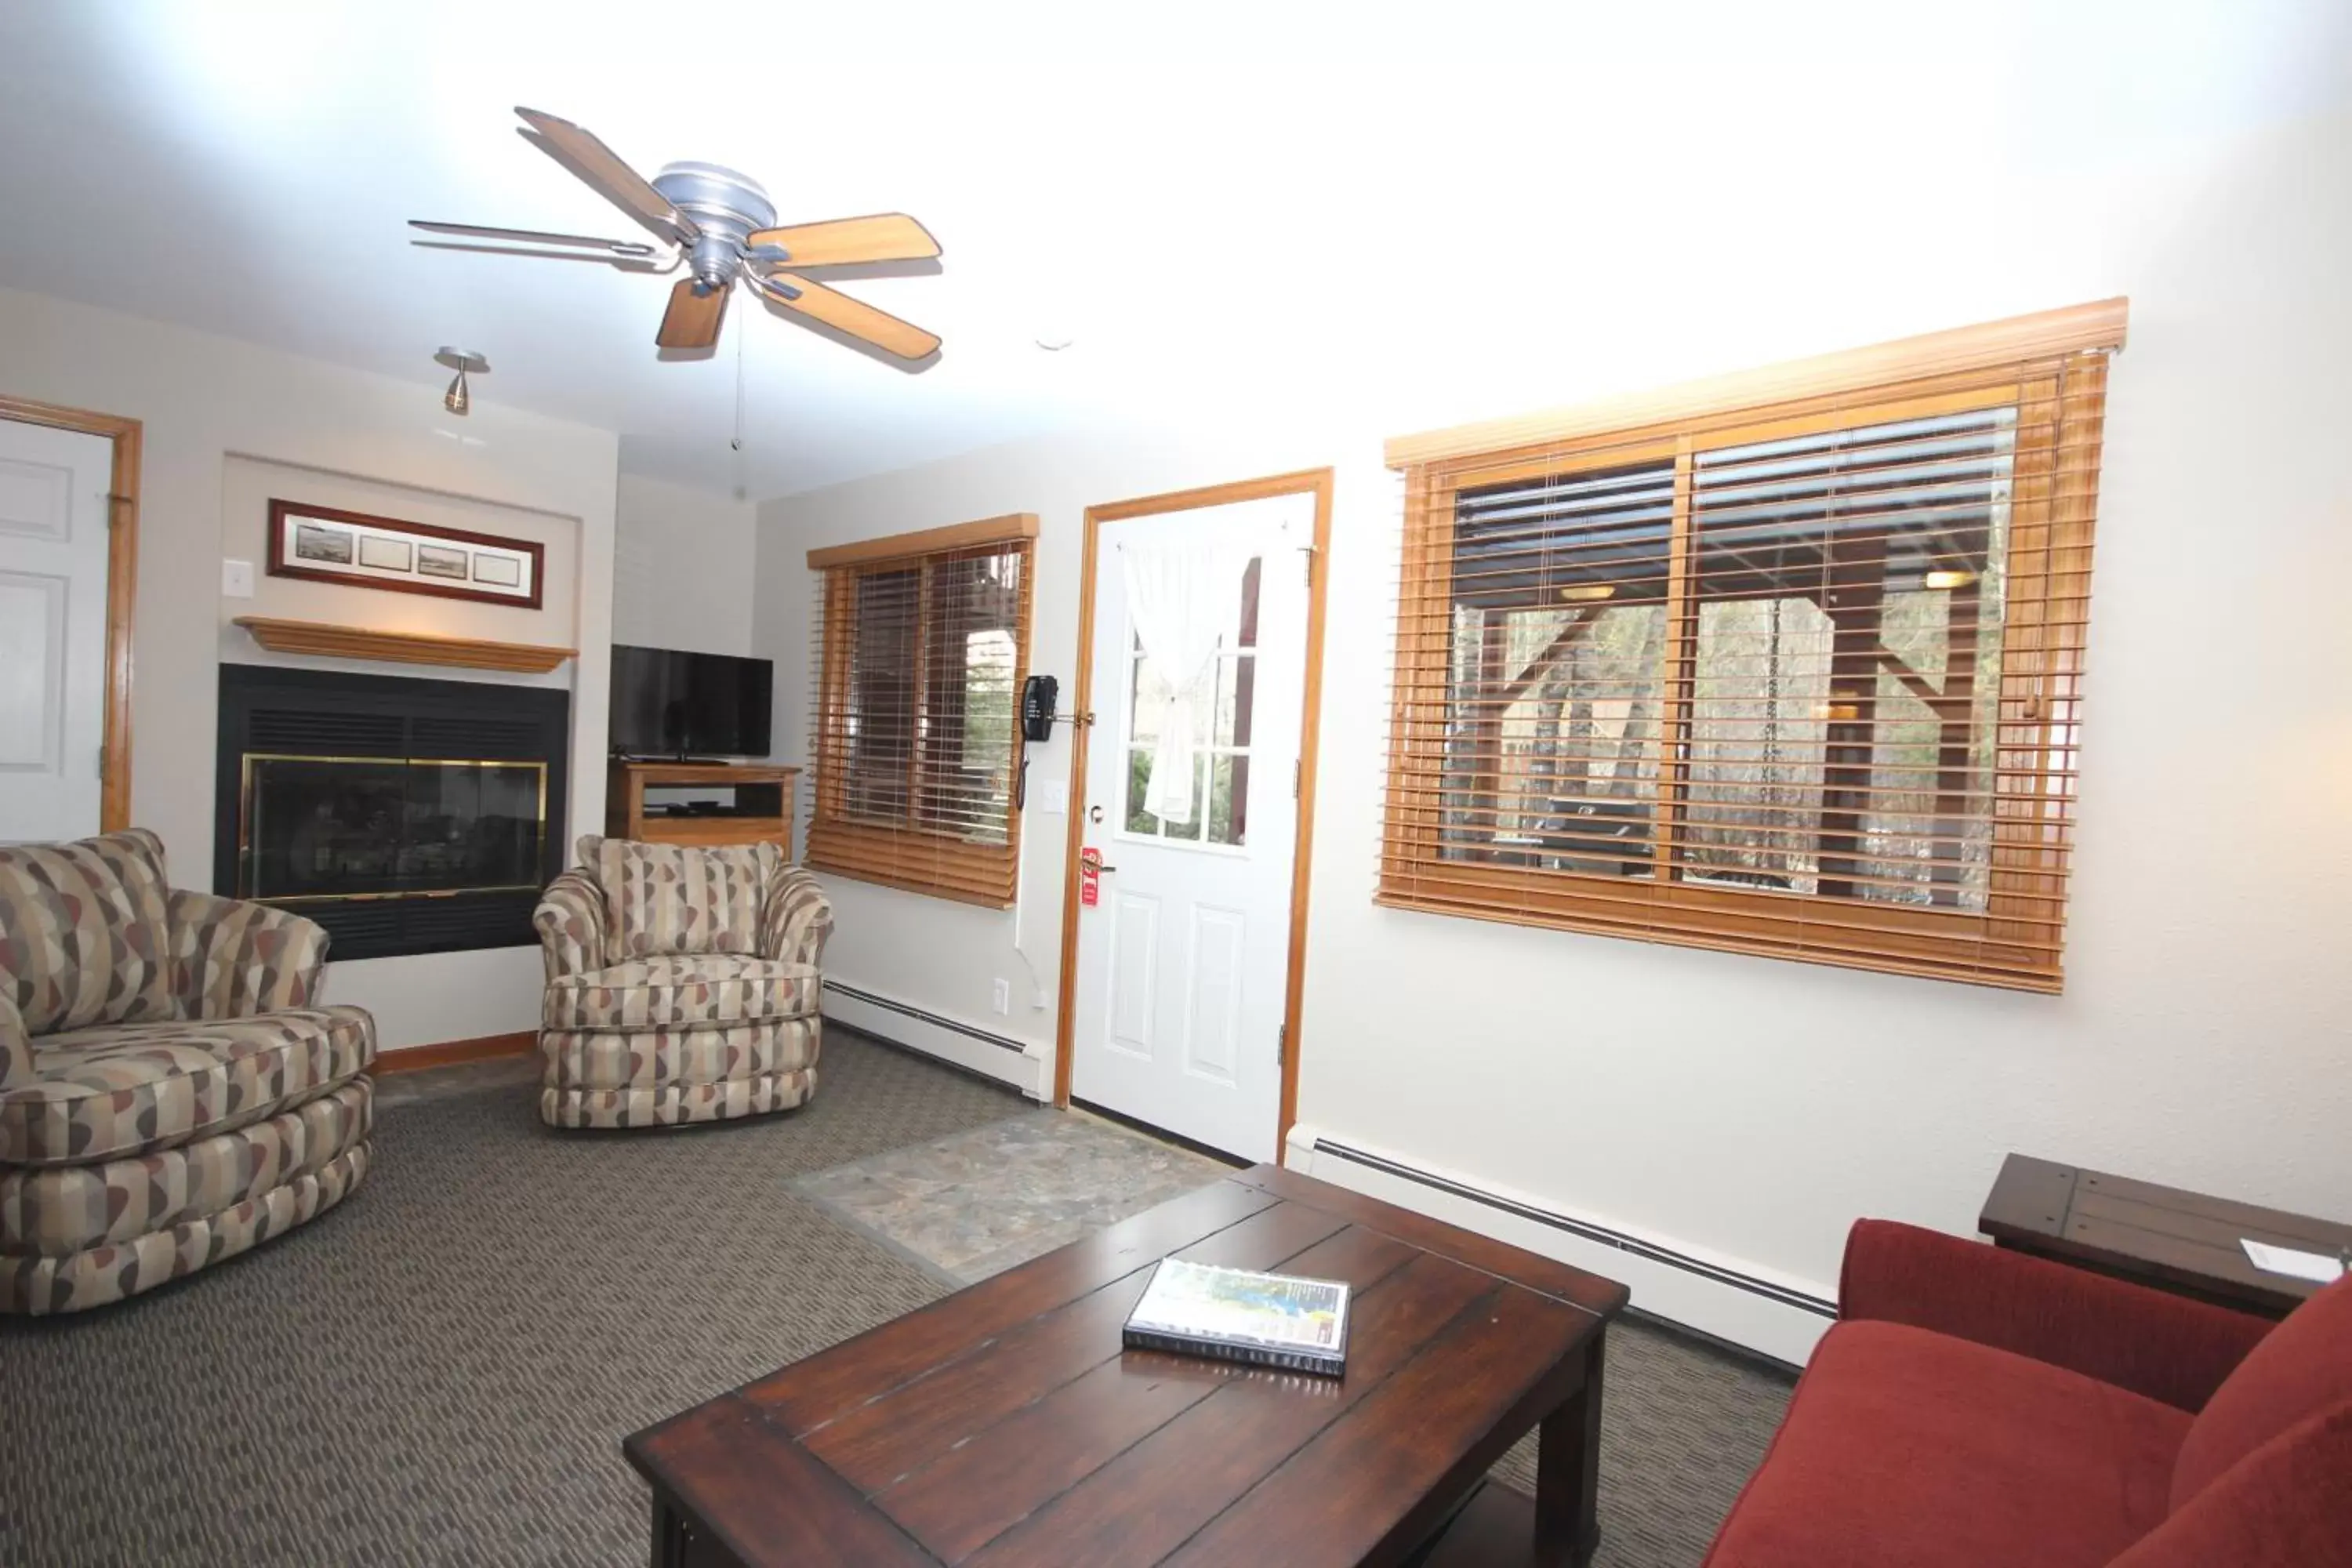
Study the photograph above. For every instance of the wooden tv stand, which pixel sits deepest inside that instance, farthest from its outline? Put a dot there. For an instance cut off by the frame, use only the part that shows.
(763, 813)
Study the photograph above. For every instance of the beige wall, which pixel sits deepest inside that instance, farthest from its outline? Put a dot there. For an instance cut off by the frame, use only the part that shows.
(1745, 1109)
(249, 484)
(682, 568)
(209, 405)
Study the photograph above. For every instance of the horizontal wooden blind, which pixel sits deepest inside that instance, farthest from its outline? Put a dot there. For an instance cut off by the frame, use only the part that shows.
(1798, 679)
(916, 664)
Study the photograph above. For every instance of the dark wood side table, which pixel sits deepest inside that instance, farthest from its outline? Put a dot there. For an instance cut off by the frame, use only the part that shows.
(2179, 1241)
(1005, 1426)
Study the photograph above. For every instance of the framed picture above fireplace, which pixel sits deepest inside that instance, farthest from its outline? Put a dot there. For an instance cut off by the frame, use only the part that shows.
(328, 544)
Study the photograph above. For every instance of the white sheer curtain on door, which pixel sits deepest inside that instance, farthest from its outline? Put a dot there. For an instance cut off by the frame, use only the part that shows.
(1180, 600)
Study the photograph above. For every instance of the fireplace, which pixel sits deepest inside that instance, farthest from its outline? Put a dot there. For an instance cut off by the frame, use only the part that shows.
(404, 815)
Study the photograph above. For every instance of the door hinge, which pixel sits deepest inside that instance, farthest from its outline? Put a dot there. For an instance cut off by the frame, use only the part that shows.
(1282, 1045)
(1297, 764)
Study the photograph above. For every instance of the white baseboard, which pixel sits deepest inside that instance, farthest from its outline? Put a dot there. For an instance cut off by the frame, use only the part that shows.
(951, 1041)
(1761, 1310)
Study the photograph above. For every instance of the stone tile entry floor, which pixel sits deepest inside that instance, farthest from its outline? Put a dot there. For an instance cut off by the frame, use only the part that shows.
(974, 1204)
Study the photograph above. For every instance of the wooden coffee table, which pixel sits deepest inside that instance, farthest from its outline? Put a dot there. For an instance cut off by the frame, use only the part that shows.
(1005, 1424)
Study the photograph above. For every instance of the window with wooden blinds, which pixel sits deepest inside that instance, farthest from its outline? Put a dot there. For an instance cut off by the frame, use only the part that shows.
(1787, 664)
(920, 646)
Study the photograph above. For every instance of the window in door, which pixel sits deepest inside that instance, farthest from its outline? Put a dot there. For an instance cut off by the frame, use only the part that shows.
(1221, 720)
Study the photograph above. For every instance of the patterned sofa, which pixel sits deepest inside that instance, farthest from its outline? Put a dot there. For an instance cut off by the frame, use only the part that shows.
(682, 985)
(172, 1093)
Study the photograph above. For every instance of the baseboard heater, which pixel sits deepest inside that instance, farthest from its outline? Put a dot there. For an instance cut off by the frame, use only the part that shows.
(934, 1019)
(1801, 1300)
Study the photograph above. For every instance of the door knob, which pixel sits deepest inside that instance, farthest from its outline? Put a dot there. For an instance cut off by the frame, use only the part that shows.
(1093, 813)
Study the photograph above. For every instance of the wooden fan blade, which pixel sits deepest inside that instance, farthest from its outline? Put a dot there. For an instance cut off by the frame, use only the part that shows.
(692, 320)
(839, 312)
(602, 170)
(533, 236)
(885, 236)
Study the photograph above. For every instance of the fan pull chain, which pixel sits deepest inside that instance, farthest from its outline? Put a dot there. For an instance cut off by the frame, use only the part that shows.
(737, 444)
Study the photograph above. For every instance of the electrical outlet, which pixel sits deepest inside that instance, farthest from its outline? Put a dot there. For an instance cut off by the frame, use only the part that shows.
(1000, 997)
(236, 579)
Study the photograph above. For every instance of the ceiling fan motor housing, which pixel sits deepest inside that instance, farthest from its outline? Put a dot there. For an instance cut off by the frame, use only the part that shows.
(726, 206)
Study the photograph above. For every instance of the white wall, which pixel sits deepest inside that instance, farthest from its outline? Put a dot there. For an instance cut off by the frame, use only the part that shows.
(205, 401)
(1748, 1110)
(682, 568)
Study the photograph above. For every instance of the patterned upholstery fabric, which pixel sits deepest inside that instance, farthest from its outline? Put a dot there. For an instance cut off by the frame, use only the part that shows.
(173, 1091)
(675, 1105)
(82, 933)
(660, 993)
(109, 1273)
(650, 1058)
(60, 1209)
(130, 1089)
(232, 959)
(658, 1039)
(672, 898)
(16, 1045)
(796, 920)
(571, 922)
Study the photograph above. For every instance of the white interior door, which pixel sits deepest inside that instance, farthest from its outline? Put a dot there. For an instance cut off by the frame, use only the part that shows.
(53, 536)
(1183, 962)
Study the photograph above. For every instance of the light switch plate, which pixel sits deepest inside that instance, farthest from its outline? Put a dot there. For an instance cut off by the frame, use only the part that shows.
(236, 579)
(1052, 797)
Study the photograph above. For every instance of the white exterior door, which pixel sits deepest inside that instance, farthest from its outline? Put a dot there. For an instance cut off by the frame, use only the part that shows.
(53, 546)
(1183, 962)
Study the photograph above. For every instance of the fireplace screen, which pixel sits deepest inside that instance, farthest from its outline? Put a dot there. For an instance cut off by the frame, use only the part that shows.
(388, 827)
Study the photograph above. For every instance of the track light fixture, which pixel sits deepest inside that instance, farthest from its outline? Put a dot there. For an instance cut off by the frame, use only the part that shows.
(458, 399)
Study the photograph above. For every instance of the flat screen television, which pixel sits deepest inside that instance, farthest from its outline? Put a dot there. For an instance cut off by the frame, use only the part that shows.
(666, 703)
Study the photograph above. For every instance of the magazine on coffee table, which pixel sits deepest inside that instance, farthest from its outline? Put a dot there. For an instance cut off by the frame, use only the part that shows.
(1269, 1320)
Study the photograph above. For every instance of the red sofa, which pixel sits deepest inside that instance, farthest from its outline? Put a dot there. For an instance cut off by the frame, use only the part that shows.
(1976, 1408)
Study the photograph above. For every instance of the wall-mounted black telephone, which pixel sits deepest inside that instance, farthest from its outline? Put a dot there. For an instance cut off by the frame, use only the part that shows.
(1037, 697)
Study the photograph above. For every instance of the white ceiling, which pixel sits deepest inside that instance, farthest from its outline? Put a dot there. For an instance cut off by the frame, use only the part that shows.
(1246, 207)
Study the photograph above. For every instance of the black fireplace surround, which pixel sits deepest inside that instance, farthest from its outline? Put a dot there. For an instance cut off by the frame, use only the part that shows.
(404, 815)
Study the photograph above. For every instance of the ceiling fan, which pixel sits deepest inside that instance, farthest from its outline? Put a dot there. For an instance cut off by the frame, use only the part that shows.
(721, 226)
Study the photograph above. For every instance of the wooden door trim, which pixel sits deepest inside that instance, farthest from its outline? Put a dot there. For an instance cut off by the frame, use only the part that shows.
(1315, 483)
(121, 584)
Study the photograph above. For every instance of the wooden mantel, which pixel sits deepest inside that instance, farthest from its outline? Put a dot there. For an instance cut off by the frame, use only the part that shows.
(319, 639)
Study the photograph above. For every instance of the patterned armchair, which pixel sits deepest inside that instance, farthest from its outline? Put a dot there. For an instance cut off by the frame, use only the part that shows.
(682, 985)
(172, 1092)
